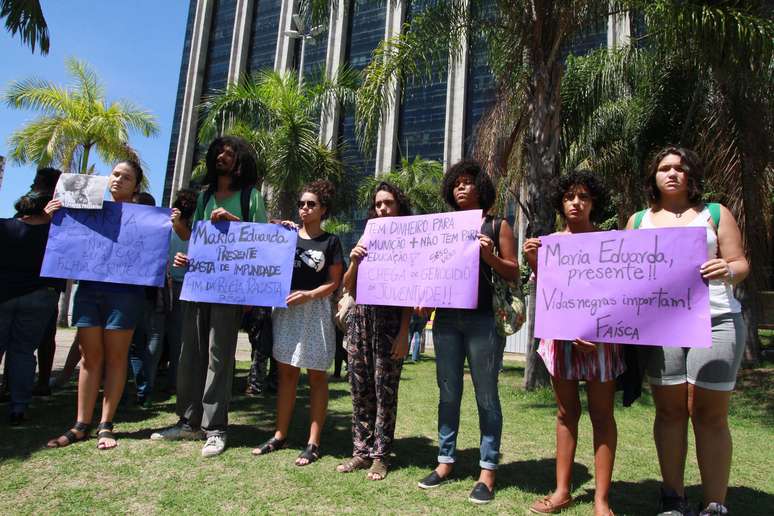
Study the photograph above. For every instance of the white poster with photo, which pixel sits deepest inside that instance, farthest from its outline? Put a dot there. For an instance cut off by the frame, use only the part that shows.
(81, 191)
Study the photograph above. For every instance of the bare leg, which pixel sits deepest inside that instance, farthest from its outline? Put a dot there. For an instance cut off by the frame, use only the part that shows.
(568, 411)
(487, 476)
(286, 397)
(73, 357)
(116, 355)
(709, 415)
(601, 405)
(318, 407)
(670, 431)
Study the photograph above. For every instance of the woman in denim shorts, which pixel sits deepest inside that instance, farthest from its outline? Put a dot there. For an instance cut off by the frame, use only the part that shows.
(105, 315)
(696, 383)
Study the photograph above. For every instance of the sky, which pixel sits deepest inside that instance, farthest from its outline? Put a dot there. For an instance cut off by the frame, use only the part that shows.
(135, 48)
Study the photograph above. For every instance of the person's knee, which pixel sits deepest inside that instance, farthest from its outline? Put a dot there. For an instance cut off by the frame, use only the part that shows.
(710, 418)
(92, 359)
(286, 372)
(671, 413)
(601, 418)
(568, 415)
(318, 378)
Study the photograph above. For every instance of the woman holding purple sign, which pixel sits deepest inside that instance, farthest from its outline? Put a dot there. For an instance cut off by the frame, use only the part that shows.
(696, 383)
(579, 199)
(377, 343)
(459, 334)
(105, 315)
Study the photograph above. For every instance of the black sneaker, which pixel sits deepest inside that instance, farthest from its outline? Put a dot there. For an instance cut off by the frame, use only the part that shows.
(432, 480)
(673, 504)
(481, 494)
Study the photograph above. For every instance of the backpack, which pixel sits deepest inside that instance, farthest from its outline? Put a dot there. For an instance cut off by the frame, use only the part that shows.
(244, 200)
(713, 207)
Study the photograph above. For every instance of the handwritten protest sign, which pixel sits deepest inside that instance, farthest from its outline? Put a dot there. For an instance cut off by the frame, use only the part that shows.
(423, 260)
(239, 263)
(629, 287)
(81, 191)
(121, 243)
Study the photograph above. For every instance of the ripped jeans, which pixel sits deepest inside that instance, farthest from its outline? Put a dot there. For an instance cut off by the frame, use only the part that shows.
(457, 335)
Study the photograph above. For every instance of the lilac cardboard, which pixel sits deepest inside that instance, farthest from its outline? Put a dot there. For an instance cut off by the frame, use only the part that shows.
(239, 263)
(120, 243)
(628, 287)
(422, 260)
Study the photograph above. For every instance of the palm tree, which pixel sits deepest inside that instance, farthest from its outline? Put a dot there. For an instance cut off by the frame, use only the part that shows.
(26, 18)
(708, 88)
(75, 121)
(280, 119)
(419, 179)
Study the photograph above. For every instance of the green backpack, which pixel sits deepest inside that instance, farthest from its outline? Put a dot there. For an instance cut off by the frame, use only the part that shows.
(713, 207)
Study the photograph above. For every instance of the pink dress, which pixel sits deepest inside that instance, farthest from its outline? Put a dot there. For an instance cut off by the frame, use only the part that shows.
(564, 361)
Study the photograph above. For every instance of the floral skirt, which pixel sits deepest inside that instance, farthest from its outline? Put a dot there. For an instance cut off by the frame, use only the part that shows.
(564, 361)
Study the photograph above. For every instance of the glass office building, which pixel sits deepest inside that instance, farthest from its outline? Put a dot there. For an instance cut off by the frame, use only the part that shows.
(227, 39)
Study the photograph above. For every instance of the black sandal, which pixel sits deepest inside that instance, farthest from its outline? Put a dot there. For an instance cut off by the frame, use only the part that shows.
(70, 435)
(311, 453)
(269, 446)
(105, 431)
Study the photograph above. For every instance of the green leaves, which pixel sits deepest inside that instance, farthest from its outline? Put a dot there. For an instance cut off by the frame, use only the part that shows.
(26, 18)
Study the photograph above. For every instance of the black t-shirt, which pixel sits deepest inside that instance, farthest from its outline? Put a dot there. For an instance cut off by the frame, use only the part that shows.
(23, 248)
(314, 256)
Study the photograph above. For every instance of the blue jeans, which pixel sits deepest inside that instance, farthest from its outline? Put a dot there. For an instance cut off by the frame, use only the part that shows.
(23, 322)
(457, 335)
(146, 348)
(416, 345)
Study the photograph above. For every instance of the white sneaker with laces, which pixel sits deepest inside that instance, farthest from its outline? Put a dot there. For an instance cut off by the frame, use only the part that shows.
(177, 433)
(215, 445)
(714, 509)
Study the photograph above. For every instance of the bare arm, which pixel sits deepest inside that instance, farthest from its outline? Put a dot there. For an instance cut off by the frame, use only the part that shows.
(731, 266)
(506, 265)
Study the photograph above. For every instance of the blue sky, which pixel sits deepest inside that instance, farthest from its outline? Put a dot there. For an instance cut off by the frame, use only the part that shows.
(135, 47)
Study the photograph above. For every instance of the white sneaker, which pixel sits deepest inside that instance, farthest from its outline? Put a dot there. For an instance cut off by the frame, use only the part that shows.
(215, 445)
(177, 433)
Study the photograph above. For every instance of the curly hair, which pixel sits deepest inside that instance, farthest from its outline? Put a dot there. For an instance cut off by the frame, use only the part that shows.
(404, 206)
(32, 203)
(569, 182)
(324, 190)
(484, 186)
(136, 168)
(694, 173)
(245, 172)
(185, 201)
(144, 198)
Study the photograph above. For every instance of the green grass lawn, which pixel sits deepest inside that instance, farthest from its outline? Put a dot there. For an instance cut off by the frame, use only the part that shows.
(144, 477)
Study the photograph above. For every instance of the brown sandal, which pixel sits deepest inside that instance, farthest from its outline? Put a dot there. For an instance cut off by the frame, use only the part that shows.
(355, 463)
(545, 506)
(378, 470)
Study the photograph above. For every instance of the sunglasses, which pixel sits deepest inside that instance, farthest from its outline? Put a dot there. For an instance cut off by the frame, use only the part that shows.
(306, 204)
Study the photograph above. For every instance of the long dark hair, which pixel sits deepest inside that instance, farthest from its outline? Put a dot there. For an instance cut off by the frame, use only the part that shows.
(694, 173)
(245, 171)
(404, 206)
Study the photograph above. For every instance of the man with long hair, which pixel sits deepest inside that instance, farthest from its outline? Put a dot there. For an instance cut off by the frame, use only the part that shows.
(209, 335)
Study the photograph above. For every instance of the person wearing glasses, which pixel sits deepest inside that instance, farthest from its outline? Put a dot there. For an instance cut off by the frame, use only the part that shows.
(303, 333)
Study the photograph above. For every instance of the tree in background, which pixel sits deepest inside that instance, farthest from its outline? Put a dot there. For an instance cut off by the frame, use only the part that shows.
(26, 18)
(280, 118)
(419, 179)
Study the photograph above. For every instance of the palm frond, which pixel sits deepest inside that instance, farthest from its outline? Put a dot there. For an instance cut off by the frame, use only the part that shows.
(26, 18)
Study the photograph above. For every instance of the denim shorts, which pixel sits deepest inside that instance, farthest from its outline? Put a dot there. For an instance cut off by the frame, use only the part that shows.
(109, 310)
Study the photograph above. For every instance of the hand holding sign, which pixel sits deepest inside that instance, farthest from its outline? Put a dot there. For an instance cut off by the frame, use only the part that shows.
(81, 191)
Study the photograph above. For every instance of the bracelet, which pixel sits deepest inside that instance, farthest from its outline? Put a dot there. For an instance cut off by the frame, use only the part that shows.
(731, 274)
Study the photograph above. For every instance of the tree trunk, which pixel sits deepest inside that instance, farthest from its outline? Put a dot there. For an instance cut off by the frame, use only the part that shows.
(64, 306)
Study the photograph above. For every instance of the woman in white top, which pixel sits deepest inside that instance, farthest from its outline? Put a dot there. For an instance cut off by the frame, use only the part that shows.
(696, 383)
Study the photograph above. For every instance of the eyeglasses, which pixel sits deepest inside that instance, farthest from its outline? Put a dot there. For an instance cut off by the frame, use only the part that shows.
(306, 204)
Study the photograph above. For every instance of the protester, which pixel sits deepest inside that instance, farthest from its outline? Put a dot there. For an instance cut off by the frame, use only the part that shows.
(377, 343)
(105, 315)
(185, 203)
(417, 325)
(579, 199)
(460, 334)
(206, 364)
(148, 340)
(28, 302)
(303, 332)
(258, 326)
(696, 383)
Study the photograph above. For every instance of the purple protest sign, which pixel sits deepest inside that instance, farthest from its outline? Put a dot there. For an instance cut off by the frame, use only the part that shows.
(628, 287)
(423, 260)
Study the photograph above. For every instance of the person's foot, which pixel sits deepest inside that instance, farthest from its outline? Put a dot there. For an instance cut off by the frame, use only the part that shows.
(481, 494)
(17, 418)
(602, 508)
(672, 504)
(714, 509)
(378, 470)
(253, 391)
(436, 477)
(551, 504)
(215, 445)
(180, 432)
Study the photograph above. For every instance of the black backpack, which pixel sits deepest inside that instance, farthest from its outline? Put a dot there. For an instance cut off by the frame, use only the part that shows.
(244, 200)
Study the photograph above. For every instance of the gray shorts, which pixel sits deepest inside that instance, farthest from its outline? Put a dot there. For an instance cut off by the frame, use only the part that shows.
(711, 368)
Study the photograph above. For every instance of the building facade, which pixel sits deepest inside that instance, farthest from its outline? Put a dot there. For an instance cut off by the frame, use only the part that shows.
(226, 39)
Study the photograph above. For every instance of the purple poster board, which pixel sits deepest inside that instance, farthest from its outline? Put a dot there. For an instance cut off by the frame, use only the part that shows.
(627, 287)
(422, 260)
(239, 263)
(120, 243)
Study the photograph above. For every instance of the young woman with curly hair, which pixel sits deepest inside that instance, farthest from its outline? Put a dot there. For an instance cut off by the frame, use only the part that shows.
(303, 333)
(377, 343)
(579, 199)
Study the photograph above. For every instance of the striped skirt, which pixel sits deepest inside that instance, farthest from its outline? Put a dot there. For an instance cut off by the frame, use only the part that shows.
(564, 361)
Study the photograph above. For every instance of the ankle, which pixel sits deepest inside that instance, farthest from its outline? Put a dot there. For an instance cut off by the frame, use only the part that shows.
(444, 470)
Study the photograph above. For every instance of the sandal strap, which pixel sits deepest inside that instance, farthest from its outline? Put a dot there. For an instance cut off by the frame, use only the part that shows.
(272, 445)
(310, 453)
(80, 426)
(355, 463)
(107, 425)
